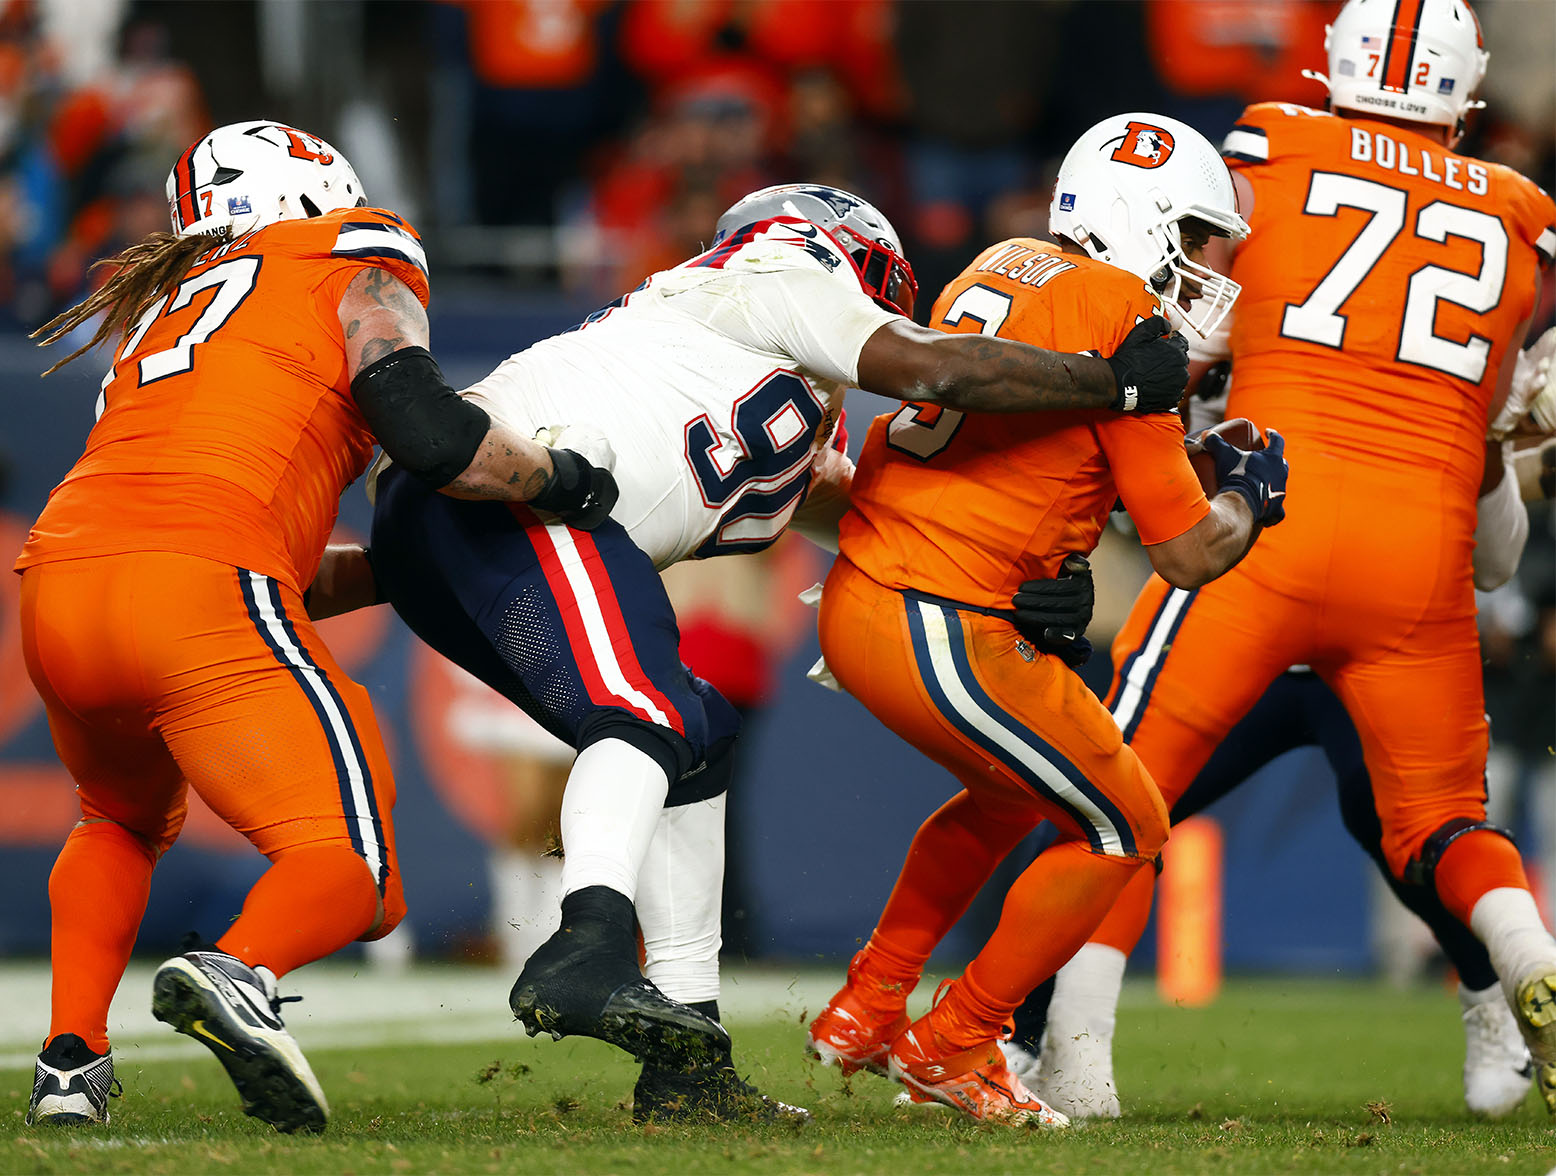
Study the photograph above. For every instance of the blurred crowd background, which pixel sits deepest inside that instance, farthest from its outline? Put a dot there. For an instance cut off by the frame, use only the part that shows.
(554, 152)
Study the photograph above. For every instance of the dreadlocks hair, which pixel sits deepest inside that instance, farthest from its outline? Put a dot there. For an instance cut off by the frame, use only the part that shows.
(141, 275)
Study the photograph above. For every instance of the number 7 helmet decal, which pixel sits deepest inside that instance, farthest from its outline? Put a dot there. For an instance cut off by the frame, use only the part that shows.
(246, 175)
(1124, 190)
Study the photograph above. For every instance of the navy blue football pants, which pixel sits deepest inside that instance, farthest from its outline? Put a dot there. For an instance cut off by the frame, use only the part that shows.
(572, 626)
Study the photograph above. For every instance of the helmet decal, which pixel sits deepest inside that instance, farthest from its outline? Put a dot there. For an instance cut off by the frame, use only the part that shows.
(1399, 57)
(1143, 145)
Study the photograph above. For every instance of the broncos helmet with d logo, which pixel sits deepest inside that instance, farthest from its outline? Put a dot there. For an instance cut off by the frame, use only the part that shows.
(246, 175)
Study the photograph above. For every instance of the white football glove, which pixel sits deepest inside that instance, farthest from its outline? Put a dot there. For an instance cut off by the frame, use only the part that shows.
(585, 440)
(1533, 389)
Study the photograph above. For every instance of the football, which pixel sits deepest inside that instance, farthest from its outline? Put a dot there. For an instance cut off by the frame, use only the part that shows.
(1239, 431)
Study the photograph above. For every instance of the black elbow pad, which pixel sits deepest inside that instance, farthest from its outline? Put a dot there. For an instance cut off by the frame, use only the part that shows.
(421, 422)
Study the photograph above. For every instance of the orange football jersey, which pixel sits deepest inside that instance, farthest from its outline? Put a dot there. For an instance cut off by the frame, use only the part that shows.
(1382, 284)
(966, 506)
(227, 428)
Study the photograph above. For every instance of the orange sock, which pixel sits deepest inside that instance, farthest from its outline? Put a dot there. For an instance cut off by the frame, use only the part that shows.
(1475, 863)
(1123, 925)
(97, 896)
(951, 857)
(1053, 908)
(310, 902)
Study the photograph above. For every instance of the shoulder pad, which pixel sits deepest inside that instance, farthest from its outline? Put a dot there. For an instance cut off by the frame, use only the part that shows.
(361, 236)
(1248, 142)
(1534, 209)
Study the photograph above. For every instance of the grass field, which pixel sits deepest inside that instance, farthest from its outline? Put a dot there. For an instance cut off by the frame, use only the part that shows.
(1278, 1076)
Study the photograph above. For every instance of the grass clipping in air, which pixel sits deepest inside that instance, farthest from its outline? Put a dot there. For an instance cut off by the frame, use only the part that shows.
(1278, 1076)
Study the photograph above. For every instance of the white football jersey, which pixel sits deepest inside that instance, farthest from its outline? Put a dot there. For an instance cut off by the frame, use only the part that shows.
(718, 383)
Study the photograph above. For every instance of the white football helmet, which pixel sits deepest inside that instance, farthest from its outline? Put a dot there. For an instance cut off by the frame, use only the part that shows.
(1121, 193)
(246, 175)
(1425, 68)
(857, 225)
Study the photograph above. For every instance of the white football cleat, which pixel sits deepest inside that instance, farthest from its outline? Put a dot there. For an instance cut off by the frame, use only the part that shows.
(233, 1010)
(1076, 1073)
(1497, 1066)
(71, 1085)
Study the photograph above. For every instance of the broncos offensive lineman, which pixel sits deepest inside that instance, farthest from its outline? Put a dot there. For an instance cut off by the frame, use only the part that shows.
(718, 386)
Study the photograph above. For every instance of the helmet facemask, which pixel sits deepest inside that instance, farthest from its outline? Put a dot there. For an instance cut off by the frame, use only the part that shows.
(883, 272)
(1212, 293)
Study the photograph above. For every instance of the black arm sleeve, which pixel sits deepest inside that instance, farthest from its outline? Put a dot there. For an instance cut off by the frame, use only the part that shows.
(422, 423)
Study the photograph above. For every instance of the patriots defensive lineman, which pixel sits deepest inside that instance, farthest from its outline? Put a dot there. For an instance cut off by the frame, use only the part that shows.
(716, 389)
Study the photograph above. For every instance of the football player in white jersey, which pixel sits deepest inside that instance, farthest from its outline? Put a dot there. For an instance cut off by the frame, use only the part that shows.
(718, 385)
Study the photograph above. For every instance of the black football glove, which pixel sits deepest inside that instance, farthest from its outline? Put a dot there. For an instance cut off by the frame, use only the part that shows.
(579, 494)
(1258, 475)
(1053, 614)
(1150, 368)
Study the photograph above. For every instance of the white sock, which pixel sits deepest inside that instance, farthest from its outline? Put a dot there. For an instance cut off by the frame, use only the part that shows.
(1508, 923)
(526, 887)
(679, 899)
(610, 809)
(1086, 991)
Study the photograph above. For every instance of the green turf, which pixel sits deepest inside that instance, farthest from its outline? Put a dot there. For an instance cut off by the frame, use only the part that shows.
(1279, 1076)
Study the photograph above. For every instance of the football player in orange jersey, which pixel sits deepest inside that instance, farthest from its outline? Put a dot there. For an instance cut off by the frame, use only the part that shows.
(267, 343)
(1387, 287)
(950, 512)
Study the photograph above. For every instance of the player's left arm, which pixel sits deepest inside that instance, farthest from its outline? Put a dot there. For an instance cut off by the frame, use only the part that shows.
(439, 436)
(826, 500)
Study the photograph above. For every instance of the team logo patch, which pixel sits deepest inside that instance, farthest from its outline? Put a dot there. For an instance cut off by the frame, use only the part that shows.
(1066, 201)
(1445, 86)
(237, 204)
(1347, 68)
(1143, 145)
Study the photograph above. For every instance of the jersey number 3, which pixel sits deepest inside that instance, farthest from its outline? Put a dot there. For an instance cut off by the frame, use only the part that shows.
(1318, 319)
(923, 430)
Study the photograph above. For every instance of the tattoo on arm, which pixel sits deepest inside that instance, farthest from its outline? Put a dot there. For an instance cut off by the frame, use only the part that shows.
(379, 315)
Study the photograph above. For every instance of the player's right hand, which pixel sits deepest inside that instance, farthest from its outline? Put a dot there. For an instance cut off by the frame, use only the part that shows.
(1150, 368)
(1259, 475)
(579, 494)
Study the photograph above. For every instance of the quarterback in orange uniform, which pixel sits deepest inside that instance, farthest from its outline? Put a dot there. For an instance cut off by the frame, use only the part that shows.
(1387, 286)
(950, 514)
(267, 343)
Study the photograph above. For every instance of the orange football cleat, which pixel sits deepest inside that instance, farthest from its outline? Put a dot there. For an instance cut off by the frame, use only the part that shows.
(855, 1031)
(975, 1081)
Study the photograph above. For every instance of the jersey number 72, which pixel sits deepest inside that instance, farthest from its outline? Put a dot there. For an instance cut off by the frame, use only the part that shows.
(1318, 319)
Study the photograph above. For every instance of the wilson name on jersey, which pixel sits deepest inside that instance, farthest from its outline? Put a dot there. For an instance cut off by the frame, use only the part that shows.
(226, 427)
(718, 383)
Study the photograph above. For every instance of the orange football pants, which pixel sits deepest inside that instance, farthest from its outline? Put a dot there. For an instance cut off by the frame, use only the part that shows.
(1189, 664)
(162, 671)
(1027, 740)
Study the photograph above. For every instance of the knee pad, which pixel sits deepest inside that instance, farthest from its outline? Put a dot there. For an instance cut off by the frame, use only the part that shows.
(1422, 868)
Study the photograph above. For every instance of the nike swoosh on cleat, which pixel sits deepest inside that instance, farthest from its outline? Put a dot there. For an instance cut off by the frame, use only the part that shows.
(199, 1027)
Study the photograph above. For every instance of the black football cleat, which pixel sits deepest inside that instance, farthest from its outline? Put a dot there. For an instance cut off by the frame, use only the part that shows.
(71, 1085)
(712, 1093)
(585, 982)
(232, 1009)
